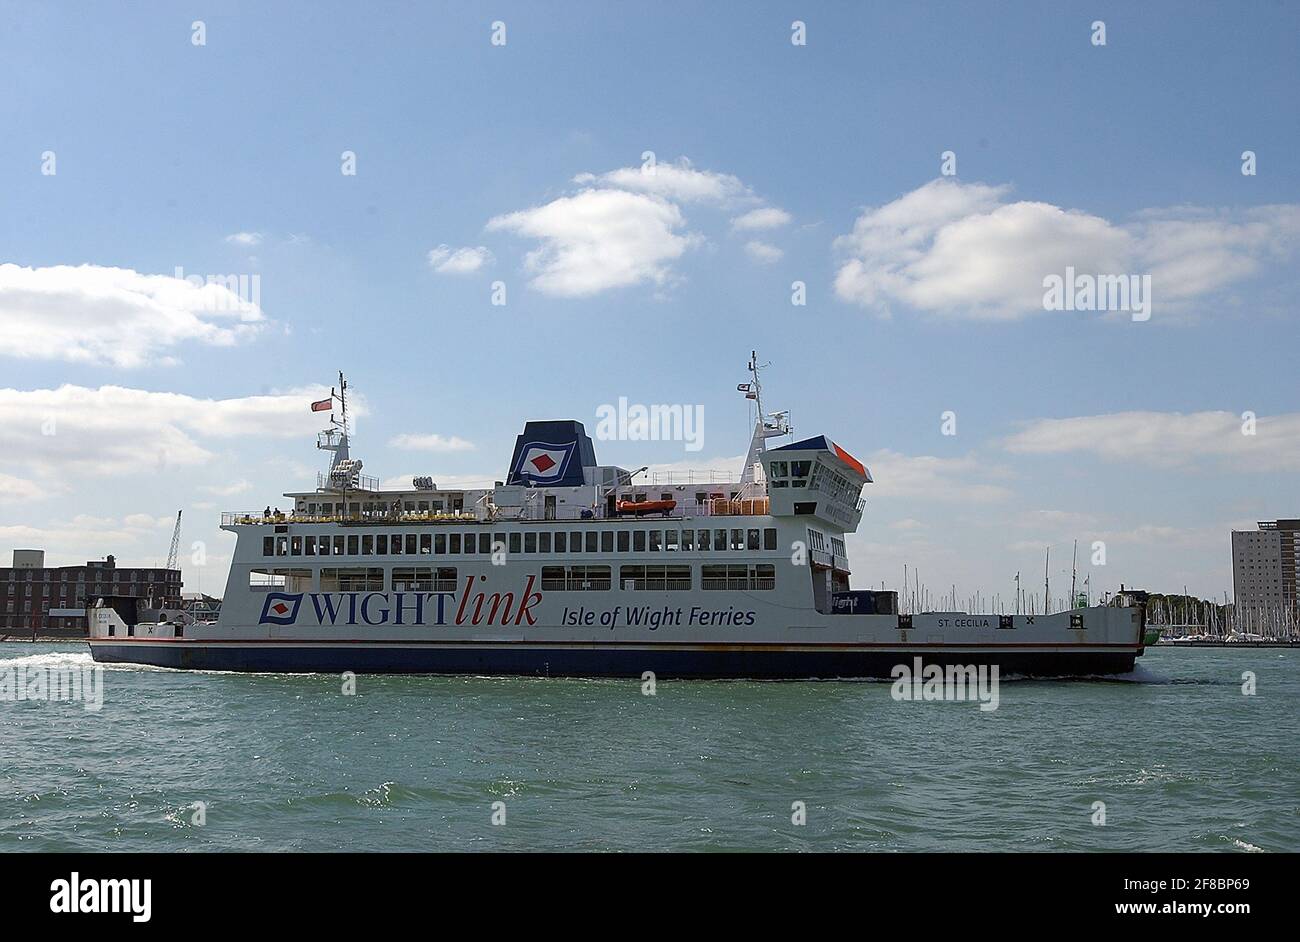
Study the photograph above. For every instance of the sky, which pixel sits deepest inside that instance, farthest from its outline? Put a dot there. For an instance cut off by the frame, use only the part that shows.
(649, 188)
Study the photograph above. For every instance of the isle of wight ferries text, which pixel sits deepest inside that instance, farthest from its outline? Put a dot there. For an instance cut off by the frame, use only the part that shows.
(654, 618)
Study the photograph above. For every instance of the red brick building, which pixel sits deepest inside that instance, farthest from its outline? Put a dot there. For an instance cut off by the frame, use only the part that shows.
(36, 599)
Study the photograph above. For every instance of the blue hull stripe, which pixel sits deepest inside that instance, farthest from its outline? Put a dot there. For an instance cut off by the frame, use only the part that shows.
(596, 662)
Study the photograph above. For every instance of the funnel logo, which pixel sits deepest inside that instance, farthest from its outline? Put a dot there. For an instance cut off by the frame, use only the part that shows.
(544, 463)
(280, 608)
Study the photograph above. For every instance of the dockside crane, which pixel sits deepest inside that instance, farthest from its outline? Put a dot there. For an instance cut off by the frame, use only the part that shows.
(176, 542)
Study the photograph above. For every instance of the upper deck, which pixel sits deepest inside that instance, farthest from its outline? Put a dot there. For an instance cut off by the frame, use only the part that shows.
(554, 476)
(692, 494)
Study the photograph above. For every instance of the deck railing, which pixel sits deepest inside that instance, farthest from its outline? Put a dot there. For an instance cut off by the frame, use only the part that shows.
(532, 512)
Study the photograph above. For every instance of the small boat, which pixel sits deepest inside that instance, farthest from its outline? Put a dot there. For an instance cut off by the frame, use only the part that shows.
(640, 508)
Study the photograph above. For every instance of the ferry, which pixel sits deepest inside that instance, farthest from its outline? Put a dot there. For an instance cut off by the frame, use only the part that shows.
(567, 567)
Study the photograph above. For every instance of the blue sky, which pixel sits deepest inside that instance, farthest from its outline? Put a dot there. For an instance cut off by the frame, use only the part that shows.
(1125, 157)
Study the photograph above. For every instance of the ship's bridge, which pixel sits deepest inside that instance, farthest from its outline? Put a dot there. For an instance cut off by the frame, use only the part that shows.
(816, 477)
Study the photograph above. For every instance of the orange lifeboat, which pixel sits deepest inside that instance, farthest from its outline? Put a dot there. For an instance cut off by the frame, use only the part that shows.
(640, 508)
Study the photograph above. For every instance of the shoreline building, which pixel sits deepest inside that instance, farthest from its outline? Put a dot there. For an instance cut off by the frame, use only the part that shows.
(36, 599)
(1265, 563)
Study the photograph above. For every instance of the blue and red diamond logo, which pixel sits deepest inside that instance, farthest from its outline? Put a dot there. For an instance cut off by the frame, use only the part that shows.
(280, 608)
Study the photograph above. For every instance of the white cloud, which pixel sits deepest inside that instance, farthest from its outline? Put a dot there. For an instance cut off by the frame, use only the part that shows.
(962, 250)
(434, 442)
(227, 490)
(599, 239)
(680, 182)
(767, 217)
(15, 490)
(1193, 252)
(931, 478)
(626, 227)
(762, 252)
(84, 536)
(245, 238)
(464, 261)
(1169, 439)
(907, 523)
(93, 314)
(115, 430)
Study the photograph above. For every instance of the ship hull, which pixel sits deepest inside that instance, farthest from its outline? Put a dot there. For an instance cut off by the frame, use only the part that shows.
(772, 662)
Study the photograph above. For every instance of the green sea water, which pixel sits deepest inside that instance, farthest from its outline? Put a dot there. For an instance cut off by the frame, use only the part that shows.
(1180, 757)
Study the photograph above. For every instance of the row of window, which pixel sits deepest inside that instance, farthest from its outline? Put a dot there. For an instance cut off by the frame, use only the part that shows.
(652, 578)
(98, 575)
(544, 541)
(40, 620)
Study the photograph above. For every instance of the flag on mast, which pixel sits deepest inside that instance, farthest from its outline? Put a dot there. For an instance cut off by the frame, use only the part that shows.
(323, 405)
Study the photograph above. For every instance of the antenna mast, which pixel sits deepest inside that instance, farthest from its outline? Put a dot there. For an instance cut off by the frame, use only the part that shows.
(1074, 575)
(1047, 582)
(764, 429)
